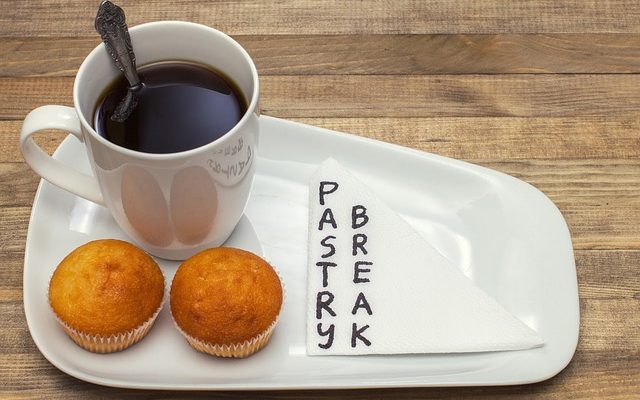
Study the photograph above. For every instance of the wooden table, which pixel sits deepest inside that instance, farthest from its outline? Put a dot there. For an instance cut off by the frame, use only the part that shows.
(543, 90)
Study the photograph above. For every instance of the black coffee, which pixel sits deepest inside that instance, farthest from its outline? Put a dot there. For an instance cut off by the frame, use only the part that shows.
(181, 106)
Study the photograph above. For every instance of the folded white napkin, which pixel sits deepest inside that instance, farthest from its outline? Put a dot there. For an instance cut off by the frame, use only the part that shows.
(376, 287)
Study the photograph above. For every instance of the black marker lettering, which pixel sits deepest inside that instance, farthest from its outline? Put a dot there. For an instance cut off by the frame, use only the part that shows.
(332, 248)
(357, 334)
(333, 188)
(359, 213)
(327, 218)
(357, 271)
(359, 240)
(324, 304)
(361, 302)
(329, 332)
(325, 271)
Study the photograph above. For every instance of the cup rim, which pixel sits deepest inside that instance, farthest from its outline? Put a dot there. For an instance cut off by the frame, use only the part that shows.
(186, 153)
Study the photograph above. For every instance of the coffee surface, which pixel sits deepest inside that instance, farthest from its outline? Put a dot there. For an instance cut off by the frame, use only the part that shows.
(181, 106)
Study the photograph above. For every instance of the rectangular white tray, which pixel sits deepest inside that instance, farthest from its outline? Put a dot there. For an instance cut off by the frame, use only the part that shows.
(504, 234)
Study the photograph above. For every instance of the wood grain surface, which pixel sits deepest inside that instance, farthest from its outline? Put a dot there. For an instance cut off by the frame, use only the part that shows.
(547, 91)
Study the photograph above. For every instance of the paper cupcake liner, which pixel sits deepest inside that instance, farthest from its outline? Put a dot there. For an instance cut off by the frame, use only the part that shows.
(235, 350)
(109, 343)
(242, 349)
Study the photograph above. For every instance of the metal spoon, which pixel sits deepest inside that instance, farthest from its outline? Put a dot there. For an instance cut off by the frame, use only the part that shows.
(110, 24)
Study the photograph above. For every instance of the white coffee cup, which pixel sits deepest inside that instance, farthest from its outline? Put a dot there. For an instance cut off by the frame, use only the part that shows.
(172, 205)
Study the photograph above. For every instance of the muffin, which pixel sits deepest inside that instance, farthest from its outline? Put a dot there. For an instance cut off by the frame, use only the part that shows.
(106, 294)
(226, 301)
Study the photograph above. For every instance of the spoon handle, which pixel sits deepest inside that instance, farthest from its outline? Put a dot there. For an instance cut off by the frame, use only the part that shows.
(110, 23)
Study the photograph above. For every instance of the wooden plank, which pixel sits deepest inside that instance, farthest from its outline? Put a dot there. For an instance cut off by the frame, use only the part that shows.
(480, 138)
(372, 54)
(12, 238)
(609, 325)
(44, 56)
(472, 138)
(600, 200)
(446, 95)
(17, 184)
(75, 17)
(48, 139)
(584, 193)
(607, 275)
(396, 96)
(19, 96)
(11, 263)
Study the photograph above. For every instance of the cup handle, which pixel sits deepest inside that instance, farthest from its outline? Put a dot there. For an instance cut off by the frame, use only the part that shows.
(63, 118)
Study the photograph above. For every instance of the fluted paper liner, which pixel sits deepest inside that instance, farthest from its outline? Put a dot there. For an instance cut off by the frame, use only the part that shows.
(236, 350)
(109, 343)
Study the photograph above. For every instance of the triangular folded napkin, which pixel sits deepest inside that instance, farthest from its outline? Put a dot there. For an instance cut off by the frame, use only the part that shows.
(375, 286)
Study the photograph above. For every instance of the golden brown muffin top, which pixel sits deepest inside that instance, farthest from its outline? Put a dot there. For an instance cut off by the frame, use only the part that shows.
(106, 287)
(225, 296)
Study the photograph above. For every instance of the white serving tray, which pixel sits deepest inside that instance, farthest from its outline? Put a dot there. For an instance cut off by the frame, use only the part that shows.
(503, 233)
